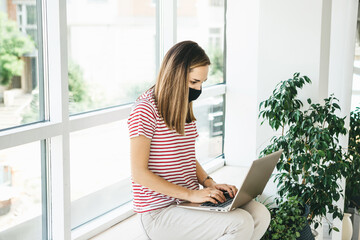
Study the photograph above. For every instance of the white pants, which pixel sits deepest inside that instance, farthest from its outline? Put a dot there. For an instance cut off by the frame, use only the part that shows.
(246, 223)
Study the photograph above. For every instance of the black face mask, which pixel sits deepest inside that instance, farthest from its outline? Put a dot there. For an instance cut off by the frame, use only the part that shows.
(194, 94)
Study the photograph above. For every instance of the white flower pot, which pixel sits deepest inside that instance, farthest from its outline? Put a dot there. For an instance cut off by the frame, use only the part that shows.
(347, 229)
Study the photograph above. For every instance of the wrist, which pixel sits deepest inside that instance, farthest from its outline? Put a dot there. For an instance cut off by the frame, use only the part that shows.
(208, 182)
(188, 194)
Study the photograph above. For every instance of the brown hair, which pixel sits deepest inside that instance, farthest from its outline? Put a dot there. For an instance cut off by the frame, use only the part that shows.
(171, 90)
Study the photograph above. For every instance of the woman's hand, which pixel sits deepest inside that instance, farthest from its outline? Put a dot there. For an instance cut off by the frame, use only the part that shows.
(207, 195)
(232, 190)
(213, 194)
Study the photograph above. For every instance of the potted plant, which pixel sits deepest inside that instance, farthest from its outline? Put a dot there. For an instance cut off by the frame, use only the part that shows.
(287, 220)
(352, 192)
(13, 45)
(312, 160)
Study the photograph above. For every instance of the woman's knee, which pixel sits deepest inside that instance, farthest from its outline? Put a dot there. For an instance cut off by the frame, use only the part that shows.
(262, 215)
(243, 221)
(258, 211)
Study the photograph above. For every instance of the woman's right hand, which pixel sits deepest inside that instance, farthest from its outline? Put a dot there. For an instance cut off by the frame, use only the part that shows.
(207, 195)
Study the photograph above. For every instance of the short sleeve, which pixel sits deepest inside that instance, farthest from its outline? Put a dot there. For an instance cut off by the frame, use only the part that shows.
(196, 132)
(142, 120)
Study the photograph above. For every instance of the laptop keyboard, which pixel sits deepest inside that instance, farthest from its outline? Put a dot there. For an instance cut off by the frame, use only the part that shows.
(224, 204)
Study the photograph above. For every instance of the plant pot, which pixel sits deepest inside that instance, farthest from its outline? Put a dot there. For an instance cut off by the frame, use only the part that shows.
(347, 229)
(306, 233)
(355, 219)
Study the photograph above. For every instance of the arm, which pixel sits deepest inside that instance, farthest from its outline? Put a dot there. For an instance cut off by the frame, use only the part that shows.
(201, 175)
(139, 154)
(210, 183)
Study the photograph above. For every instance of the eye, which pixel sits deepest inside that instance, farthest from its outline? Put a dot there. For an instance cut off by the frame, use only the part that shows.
(193, 82)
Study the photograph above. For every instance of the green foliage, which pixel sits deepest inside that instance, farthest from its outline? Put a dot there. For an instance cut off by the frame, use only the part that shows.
(286, 221)
(353, 180)
(217, 61)
(13, 45)
(79, 98)
(77, 86)
(32, 113)
(216, 74)
(312, 160)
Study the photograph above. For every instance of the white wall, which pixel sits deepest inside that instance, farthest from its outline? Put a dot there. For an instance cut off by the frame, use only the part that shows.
(267, 41)
(289, 33)
(241, 77)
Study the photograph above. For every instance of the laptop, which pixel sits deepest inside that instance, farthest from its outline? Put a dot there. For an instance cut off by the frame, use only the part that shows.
(253, 185)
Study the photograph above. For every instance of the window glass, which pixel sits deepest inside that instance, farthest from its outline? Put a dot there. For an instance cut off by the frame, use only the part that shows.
(100, 160)
(202, 21)
(111, 52)
(20, 99)
(209, 113)
(20, 192)
(31, 14)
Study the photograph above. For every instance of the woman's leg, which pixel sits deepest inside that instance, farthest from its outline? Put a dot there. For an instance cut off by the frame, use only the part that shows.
(181, 223)
(261, 216)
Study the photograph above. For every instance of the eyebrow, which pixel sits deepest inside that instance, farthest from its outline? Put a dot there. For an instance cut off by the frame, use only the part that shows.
(196, 80)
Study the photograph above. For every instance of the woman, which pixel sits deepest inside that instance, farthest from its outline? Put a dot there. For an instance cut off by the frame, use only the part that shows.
(164, 168)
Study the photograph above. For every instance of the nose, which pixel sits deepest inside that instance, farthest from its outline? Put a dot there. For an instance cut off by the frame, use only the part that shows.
(198, 87)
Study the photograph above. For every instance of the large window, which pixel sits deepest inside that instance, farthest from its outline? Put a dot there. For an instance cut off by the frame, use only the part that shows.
(65, 100)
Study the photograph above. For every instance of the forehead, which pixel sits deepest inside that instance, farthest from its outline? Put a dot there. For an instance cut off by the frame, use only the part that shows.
(200, 72)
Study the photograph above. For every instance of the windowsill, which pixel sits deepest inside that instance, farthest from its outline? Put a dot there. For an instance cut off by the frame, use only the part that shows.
(103, 222)
(125, 211)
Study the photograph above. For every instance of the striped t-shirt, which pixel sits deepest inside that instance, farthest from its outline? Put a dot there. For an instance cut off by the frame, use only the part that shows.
(172, 156)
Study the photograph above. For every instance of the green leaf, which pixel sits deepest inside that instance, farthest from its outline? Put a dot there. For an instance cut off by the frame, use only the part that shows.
(336, 105)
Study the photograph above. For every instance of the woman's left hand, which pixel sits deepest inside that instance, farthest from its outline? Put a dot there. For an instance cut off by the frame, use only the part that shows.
(232, 190)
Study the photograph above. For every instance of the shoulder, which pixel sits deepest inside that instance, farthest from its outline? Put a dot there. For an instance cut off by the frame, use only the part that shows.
(145, 103)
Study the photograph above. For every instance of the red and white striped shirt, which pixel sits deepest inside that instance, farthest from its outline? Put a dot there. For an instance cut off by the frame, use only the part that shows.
(172, 156)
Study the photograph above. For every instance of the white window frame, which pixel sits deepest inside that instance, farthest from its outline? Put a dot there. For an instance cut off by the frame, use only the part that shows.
(55, 131)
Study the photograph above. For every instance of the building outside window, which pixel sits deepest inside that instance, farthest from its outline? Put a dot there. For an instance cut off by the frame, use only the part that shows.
(26, 19)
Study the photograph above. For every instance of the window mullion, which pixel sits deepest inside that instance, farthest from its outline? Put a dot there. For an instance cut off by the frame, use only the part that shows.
(167, 24)
(59, 112)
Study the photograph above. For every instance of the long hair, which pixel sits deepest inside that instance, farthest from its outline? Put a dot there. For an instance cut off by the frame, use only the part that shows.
(171, 90)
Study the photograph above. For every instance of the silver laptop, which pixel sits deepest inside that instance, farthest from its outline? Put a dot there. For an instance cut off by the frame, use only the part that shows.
(253, 185)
